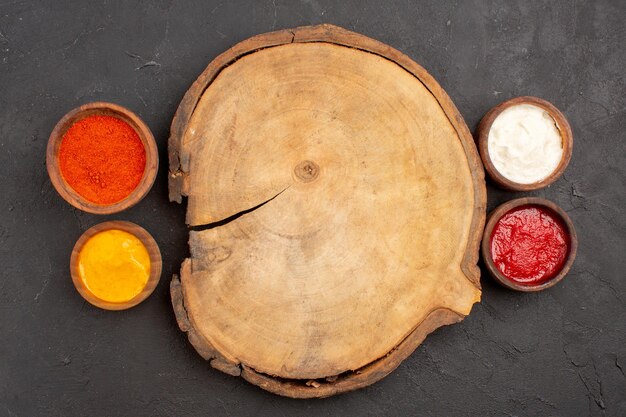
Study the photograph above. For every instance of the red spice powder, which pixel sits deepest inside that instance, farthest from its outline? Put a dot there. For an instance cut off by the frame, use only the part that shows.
(529, 245)
(102, 158)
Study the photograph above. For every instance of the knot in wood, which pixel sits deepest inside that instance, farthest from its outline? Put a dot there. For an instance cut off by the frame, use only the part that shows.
(307, 171)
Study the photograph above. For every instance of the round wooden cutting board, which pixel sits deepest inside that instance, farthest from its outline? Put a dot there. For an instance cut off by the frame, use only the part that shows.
(336, 200)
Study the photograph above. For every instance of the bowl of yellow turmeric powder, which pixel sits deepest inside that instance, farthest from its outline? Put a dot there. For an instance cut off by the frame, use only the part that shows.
(115, 265)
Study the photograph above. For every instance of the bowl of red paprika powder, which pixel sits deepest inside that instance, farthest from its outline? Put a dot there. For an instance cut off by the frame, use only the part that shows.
(529, 244)
(102, 158)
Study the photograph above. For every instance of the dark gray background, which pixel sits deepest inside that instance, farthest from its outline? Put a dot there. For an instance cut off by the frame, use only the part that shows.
(561, 352)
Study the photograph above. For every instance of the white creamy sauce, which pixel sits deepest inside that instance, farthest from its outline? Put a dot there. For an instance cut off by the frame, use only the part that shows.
(525, 144)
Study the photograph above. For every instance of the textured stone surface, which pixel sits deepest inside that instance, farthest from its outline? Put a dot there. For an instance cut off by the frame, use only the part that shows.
(559, 353)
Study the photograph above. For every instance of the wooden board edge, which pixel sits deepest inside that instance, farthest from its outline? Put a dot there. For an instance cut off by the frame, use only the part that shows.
(192, 96)
(351, 380)
(318, 388)
(199, 343)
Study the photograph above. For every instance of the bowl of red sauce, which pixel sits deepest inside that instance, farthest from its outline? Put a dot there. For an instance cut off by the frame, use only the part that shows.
(529, 244)
(102, 158)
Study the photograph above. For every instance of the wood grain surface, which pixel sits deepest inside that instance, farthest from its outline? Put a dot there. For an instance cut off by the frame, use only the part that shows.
(337, 200)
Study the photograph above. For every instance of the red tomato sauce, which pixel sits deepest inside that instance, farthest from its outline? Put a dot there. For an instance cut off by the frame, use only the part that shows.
(529, 244)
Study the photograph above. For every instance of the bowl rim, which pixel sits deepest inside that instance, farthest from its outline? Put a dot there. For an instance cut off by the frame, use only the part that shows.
(483, 143)
(122, 113)
(497, 214)
(148, 241)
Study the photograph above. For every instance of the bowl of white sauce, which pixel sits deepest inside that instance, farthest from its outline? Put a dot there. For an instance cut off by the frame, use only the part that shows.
(525, 143)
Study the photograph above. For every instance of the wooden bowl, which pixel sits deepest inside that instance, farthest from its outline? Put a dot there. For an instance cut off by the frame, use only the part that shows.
(153, 252)
(483, 134)
(500, 211)
(101, 109)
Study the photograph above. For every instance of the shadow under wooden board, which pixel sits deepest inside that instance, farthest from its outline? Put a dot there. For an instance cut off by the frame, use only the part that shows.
(337, 202)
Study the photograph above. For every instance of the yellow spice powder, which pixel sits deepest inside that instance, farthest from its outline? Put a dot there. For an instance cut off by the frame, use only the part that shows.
(114, 265)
